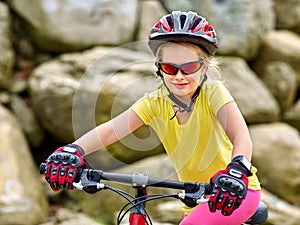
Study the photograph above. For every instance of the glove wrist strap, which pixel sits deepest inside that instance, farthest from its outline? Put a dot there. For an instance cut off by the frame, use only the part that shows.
(244, 163)
(73, 148)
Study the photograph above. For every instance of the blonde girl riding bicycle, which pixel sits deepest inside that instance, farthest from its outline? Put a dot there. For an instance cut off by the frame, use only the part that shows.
(196, 119)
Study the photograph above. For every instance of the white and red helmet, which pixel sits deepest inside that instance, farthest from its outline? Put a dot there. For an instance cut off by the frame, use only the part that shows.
(184, 27)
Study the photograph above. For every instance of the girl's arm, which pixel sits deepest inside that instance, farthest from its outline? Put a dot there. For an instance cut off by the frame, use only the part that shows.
(110, 132)
(236, 128)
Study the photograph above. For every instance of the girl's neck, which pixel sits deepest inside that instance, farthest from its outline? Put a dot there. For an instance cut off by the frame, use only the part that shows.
(185, 99)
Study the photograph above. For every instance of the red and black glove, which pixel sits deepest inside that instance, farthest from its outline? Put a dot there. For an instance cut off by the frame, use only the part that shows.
(63, 165)
(230, 186)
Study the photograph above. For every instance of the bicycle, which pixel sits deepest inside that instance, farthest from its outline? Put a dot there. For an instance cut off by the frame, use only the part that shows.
(193, 193)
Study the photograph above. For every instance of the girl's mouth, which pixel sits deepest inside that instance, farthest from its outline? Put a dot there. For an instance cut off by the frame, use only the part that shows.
(180, 85)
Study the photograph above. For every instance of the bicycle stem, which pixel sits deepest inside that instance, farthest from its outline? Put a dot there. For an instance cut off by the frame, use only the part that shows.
(138, 214)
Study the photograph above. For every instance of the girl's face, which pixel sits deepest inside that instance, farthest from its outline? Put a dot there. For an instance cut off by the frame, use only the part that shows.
(180, 84)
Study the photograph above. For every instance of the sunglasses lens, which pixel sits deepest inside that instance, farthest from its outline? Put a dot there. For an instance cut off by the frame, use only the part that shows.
(169, 68)
(190, 68)
(187, 68)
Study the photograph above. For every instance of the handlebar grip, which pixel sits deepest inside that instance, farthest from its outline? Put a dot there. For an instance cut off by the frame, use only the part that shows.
(43, 168)
(208, 189)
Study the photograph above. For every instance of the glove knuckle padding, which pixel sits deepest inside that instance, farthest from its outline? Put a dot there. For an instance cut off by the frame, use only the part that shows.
(234, 186)
(228, 207)
(70, 178)
(62, 166)
(54, 178)
(212, 200)
(62, 177)
(220, 200)
(65, 159)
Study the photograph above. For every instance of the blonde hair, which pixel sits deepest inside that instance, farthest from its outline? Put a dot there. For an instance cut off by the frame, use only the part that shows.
(213, 68)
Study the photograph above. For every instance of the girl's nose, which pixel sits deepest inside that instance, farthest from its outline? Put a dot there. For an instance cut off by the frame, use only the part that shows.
(179, 75)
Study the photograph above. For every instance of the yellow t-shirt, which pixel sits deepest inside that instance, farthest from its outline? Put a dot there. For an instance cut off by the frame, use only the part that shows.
(200, 147)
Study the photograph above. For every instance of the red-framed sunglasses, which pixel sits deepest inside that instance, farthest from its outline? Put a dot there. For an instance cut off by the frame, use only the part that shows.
(186, 68)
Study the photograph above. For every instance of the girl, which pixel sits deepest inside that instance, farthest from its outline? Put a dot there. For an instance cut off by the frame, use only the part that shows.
(196, 119)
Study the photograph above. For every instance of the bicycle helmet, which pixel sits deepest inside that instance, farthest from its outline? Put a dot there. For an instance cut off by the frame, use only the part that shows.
(185, 27)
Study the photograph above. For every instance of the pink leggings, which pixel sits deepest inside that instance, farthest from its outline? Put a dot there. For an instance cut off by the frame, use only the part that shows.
(202, 216)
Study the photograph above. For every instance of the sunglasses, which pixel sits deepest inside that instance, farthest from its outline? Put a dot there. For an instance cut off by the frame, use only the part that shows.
(186, 68)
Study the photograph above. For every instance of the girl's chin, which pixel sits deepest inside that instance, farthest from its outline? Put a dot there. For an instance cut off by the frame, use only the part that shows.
(179, 93)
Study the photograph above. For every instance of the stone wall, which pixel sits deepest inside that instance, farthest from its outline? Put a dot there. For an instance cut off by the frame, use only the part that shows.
(66, 66)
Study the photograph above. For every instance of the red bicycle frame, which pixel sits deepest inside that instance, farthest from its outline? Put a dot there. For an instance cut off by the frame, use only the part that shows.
(138, 215)
(137, 219)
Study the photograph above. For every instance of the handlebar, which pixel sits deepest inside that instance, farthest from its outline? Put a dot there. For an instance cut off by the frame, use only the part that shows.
(90, 176)
(89, 180)
(143, 180)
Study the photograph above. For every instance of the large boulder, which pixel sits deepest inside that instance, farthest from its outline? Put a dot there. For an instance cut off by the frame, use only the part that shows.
(281, 80)
(6, 51)
(51, 96)
(276, 153)
(149, 13)
(279, 45)
(59, 26)
(280, 211)
(28, 121)
(253, 98)
(236, 22)
(22, 200)
(292, 116)
(64, 216)
(287, 14)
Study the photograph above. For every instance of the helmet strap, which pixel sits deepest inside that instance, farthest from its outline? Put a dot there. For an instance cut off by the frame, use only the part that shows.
(182, 107)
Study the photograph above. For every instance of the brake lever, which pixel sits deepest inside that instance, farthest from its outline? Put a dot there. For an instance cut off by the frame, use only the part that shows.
(89, 181)
(194, 198)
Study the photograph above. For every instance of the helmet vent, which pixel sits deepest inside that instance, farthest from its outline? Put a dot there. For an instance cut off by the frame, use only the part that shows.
(182, 21)
(196, 22)
(170, 21)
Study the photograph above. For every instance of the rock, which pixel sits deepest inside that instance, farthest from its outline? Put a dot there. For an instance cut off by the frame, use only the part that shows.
(18, 86)
(280, 212)
(28, 121)
(22, 200)
(7, 54)
(276, 153)
(170, 211)
(65, 216)
(236, 22)
(253, 98)
(149, 13)
(59, 26)
(292, 116)
(281, 80)
(5, 98)
(287, 15)
(279, 45)
(51, 95)
(68, 217)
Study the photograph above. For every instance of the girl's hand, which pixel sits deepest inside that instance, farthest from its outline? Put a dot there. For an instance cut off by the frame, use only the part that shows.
(229, 189)
(62, 166)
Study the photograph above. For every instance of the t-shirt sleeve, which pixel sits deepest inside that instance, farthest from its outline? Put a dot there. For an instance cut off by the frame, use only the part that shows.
(219, 96)
(142, 108)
